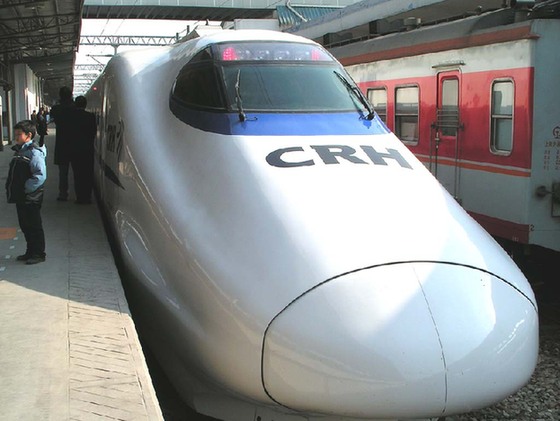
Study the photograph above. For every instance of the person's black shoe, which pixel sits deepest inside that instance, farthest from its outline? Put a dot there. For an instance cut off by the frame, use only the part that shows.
(61, 199)
(23, 257)
(83, 202)
(32, 260)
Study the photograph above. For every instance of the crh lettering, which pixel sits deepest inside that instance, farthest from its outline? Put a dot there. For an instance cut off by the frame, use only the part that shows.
(298, 156)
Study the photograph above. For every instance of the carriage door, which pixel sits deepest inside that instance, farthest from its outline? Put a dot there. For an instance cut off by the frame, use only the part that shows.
(446, 143)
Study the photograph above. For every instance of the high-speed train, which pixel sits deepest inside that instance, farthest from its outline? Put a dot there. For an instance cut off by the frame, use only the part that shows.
(289, 257)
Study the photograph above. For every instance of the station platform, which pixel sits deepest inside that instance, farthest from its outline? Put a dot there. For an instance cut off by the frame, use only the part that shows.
(68, 345)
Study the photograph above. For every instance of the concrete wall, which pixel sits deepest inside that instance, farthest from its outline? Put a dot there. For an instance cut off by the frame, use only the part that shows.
(26, 92)
(4, 109)
(23, 97)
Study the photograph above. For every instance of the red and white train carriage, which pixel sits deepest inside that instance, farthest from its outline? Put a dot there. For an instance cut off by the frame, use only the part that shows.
(478, 101)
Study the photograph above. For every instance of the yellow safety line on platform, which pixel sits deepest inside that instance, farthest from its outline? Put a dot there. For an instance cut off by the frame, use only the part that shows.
(8, 233)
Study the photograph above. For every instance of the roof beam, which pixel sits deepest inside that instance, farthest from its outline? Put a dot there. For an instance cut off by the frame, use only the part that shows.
(17, 3)
(141, 40)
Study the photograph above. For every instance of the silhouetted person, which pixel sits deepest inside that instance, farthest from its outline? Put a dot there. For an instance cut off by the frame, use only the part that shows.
(63, 114)
(24, 187)
(41, 126)
(85, 126)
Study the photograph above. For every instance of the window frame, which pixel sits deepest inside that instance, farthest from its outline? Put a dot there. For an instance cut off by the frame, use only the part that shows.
(380, 88)
(443, 79)
(496, 117)
(396, 115)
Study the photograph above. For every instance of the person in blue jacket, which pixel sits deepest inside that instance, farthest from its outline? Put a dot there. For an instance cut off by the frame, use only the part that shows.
(24, 187)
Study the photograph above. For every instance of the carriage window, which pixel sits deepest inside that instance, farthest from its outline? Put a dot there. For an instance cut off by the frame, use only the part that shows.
(378, 98)
(449, 113)
(406, 113)
(502, 117)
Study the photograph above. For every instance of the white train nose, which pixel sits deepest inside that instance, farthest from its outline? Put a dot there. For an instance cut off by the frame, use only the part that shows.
(425, 338)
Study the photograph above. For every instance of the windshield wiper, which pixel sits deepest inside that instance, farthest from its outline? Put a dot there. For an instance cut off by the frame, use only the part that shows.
(358, 94)
(242, 115)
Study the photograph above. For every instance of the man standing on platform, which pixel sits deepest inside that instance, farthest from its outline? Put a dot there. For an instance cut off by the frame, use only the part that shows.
(24, 187)
(63, 115)
(82, 151)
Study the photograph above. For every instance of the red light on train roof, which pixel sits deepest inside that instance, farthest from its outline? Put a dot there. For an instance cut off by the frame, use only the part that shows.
(270, 51)
(229, 54)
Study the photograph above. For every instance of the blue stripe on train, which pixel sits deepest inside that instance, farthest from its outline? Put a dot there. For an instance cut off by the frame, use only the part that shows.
(279, 124)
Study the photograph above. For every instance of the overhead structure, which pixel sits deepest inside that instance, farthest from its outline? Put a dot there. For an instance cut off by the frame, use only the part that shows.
(44, 34)
(90, 67)
(172, 12)
(82, 81)
(369, 18)
(212, 10)
(289, 15)
(136, 40)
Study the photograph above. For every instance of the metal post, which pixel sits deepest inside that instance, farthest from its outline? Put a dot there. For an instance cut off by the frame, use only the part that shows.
(1, 130)
(8, 108)
(9, 113)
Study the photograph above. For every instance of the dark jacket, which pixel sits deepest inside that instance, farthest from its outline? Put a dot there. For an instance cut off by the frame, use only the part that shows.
(41, 124)
(85, 126)
(27, 174)
(63, 115)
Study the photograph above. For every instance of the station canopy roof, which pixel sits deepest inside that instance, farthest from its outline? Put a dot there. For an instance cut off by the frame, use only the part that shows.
(92, 10)
(45, 35)
(293, 15)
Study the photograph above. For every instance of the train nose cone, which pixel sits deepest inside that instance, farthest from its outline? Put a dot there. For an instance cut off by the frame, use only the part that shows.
(402, 340)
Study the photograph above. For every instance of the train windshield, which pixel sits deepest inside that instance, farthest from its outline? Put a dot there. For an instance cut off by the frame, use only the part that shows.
(267, 77)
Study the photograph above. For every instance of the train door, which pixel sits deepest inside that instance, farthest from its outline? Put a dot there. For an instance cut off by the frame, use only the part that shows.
(446, 147)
